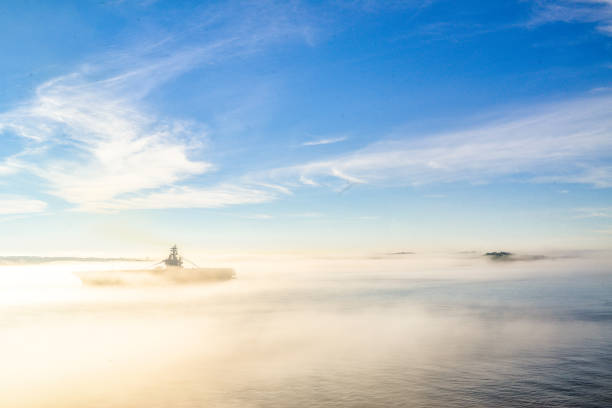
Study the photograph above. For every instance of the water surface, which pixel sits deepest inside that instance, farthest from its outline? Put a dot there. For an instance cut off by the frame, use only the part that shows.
(364, 334)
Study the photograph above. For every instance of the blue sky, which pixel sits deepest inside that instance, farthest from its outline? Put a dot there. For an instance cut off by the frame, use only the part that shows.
(305, 126)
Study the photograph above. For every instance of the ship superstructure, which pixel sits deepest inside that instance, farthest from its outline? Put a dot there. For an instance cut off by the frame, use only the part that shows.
(174, 259)
(173, 273)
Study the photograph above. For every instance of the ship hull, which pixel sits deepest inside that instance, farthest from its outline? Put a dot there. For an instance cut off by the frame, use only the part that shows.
(161, 276)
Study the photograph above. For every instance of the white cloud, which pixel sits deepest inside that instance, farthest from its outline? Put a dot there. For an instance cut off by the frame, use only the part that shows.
(600, 176)
(20, 205)
(598, 12)
(276, 187)
(601, 212)
(369, 217)
(258, 217)
(12, 164)
(281, 216)
(91, 137)
(184, 197)
(343, 176)
(569, 142)
(325, 141)
(308, 182)
(6, 169)
(103, 143)
(311, 214)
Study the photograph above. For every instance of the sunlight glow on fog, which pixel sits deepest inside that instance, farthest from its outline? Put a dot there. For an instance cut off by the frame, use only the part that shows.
(291, 332)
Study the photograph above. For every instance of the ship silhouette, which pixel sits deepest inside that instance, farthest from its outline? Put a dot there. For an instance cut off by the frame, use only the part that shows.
(174, 259)
(173, 272)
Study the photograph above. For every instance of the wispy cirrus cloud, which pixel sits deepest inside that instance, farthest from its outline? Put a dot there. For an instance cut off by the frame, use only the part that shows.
(94, 141)
(597, 212)
(97, 145)
(99, 142)
(6, 168)
(15, 205)
(325, 141)
(282, 216)
(598, 12)
(569, 142)
(186, 197)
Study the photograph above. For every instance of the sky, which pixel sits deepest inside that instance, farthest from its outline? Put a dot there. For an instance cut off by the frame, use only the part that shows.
(295, 126)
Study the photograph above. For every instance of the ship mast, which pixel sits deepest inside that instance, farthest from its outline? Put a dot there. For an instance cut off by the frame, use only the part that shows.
(174, 259)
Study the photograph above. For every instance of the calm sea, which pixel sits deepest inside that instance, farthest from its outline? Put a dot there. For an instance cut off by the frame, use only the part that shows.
(300, 339)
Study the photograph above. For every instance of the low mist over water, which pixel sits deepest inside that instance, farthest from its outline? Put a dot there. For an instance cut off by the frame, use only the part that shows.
(394, 331)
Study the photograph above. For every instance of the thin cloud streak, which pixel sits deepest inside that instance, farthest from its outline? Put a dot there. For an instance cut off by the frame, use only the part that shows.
(567, 142)
(601, 212)
(325, 141)
(6, 168)
(598, 12)
(184, 197)
(20, 205)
